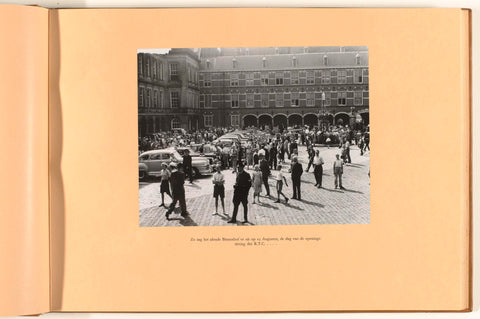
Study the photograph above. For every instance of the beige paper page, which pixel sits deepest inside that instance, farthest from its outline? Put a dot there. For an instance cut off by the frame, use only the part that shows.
(24, 242)
(414, 255)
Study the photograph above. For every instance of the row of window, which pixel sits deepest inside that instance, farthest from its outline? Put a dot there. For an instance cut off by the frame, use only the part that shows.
(283, 99)
(208, 120)
(148, 98)
(285, 77)
(154, 69)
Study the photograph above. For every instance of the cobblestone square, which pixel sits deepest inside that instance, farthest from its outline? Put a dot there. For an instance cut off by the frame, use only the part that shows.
(325, 205)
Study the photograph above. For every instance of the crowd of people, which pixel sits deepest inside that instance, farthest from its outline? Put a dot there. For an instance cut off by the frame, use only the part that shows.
(266, 155)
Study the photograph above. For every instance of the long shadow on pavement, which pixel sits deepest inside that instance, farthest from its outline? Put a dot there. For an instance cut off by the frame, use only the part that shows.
(187, 221)
(312, 203)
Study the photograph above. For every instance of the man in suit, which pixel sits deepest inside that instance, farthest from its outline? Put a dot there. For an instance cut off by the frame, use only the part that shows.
(177, 180)
(297, 171)
(240, 194)
(187, 164)
(273, 156)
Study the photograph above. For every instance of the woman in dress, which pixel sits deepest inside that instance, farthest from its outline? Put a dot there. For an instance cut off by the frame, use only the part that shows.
(257, 183)
(164, 185)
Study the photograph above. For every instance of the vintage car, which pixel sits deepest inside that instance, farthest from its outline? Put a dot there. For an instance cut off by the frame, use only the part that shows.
(150, 163)
(194, 153)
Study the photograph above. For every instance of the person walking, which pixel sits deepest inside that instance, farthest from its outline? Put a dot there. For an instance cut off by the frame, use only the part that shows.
(273, 156)
(219, 188)
(265, 174)
(240, 194)
(187, 164)
(257, 181)
(280, 179)
(177, 181)
(249, 156)
(296, 173)
(338, 172)
(311, 155)
(164, 186)
(347, 152)
(234, 157)
(318, 168)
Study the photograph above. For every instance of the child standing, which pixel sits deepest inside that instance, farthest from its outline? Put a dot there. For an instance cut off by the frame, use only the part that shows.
(257, 183)
(219, 189)
(280, 179)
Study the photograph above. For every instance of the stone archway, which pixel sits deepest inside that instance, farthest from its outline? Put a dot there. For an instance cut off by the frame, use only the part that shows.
(342, 119)
(265, 120)
(295, 120)
(310, 120)
(280, 121)
(250, 120)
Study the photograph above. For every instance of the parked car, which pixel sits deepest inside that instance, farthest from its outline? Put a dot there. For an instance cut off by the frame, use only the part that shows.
(193, 153)
(150, 163)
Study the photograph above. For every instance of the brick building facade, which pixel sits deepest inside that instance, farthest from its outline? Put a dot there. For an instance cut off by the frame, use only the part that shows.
(274, 87)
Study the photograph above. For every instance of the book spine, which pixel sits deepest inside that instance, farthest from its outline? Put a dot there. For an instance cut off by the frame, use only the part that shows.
(24, 214)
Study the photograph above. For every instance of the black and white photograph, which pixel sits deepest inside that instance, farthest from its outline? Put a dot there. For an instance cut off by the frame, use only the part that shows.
(253, 136)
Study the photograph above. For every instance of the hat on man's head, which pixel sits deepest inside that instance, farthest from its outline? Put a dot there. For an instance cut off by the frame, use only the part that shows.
(173, 164)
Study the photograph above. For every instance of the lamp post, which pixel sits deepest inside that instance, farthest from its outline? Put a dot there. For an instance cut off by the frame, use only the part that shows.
(322, 112)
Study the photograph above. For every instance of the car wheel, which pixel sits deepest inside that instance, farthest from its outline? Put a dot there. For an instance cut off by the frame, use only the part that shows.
(142, 175)
(196, 173)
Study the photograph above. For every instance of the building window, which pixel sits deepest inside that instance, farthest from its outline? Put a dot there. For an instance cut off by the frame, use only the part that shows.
(147, 66)
(154, 69)
(155, 98)
(264, 100)
(294, 77)
(148, 96)
(174, 99)
(234, 63)
(175, 123)
(295, 97)
(160, 71)
(357, 59)
(160, 99)
(328, 99)
(325, 60)
(326, 77)
(357, 76)
(279, 100)
(264, 79)
(208, 101)
(294, 61)
(310, 77)
(310, 99)
(279, 78)
(342, 77)
(208, 80)
(264, 62)
(140, 97)
(277, 51)
(202, 101)
(235, 100)
(208, 120)
(249, 79)
(208, 64)
(140, 64)
(234, 79)
(249, 99)
(342, 98)
(235, 120)
(174, 71)
(358, 98)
